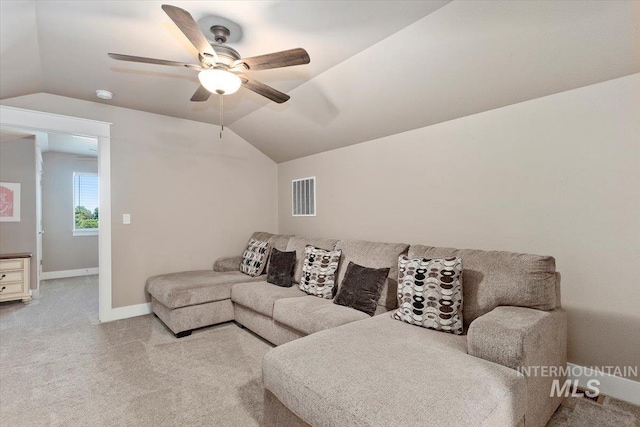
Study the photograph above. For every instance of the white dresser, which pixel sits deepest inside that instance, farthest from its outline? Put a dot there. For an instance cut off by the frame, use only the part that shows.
(14, 277)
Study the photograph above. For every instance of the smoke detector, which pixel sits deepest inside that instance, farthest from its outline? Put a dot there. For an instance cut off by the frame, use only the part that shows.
(104, 94)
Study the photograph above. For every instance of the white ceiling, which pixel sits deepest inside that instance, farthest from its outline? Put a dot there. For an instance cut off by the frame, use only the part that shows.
(74, 37)
(71, 144)
(59, 143)
(377, 67)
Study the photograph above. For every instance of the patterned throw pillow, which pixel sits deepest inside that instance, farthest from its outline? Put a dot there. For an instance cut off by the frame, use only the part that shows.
(319, 272)
(430, 293)
(254, 258)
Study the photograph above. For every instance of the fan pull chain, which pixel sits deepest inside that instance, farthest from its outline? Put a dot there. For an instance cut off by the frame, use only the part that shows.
(221, 116)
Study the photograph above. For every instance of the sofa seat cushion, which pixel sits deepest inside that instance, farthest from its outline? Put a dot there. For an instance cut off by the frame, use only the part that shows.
(381, 372)
(261, 296)
(187, 288)
(312, 314)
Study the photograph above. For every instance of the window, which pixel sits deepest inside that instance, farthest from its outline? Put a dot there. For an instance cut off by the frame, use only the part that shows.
(304, 197)
(85, 204)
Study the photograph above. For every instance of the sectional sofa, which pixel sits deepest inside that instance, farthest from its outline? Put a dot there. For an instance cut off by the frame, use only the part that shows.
(342, 367)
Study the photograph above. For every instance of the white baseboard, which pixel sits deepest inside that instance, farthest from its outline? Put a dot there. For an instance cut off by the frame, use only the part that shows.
(610, 385)
(49, 275)
(128, 311)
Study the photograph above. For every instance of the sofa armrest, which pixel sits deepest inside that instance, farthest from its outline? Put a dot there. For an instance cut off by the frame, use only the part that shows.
(518, 336)
(231, 263)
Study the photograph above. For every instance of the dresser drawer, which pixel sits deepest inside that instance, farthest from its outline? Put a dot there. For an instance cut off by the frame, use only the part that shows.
(10, 288)
(11, 264)
(11, 276)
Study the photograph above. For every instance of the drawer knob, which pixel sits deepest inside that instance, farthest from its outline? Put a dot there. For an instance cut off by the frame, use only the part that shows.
(3, 288)
(2, 277)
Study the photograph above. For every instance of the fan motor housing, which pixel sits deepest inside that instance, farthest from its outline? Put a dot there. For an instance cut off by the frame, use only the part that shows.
(226, 54)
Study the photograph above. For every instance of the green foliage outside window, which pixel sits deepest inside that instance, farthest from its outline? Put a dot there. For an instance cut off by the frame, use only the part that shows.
(85, 218)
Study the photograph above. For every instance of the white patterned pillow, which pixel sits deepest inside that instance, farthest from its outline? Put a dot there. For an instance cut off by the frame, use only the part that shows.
(430, 293)
(319, 272)
(254, 258)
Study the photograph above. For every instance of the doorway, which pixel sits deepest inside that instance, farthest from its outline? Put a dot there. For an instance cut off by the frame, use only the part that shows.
(33, 122)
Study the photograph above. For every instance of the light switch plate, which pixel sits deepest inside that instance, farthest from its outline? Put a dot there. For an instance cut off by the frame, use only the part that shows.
(126, 218)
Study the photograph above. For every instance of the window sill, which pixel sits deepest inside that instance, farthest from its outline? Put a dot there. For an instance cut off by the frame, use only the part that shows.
(85, 232)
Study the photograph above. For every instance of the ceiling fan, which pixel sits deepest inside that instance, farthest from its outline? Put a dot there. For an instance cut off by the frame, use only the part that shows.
(222, 69)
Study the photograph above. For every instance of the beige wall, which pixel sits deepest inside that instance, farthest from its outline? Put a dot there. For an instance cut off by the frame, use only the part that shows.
(558, 175)
(60, 249)
(18, 164)
(192, 197)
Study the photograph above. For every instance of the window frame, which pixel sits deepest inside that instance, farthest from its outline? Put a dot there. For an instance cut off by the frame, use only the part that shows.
(83, 232)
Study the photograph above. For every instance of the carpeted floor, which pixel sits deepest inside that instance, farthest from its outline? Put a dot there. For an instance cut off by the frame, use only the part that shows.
(60, 366)
(580, 412)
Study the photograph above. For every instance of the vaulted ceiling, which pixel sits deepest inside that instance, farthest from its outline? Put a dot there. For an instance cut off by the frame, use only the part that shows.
(377, 67)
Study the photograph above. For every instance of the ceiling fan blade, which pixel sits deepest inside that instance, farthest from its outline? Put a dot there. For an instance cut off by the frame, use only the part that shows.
(201, 94)
(190, 29)
(144, 60)
(264, 90)
(286, 58)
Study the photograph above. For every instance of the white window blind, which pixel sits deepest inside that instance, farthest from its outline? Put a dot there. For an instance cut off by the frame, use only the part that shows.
(304, 196)
(85, 201)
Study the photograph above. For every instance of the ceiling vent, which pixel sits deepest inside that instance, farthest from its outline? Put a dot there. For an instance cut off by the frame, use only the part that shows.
(303, 198)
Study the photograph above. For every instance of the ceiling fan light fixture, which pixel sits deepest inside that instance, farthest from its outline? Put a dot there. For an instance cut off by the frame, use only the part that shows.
(220, 81)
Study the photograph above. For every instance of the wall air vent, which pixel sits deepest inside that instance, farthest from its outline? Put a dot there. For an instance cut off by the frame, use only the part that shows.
(303, 198)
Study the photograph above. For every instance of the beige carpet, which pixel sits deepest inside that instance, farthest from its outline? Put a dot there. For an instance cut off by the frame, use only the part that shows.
(580, 412)
(60, 366)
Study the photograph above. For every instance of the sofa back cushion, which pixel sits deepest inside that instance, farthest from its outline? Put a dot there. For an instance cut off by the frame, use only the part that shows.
(298, 243)
(279, 242)
(493, 278)
(261, 236)
(374, 255)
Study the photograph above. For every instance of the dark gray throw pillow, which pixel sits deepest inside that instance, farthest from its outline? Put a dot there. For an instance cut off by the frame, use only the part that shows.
(280, 270)
(361, 288)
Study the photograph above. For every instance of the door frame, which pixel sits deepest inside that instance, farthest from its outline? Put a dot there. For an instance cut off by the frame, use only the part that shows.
(39, 165)
(55, 123)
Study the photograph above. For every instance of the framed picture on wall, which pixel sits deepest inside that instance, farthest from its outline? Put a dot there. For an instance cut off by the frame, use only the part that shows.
(9, 202)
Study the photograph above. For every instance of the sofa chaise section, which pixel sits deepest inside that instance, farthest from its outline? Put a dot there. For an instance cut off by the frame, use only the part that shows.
(193, 299)
(381, 372)
(512, 311)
